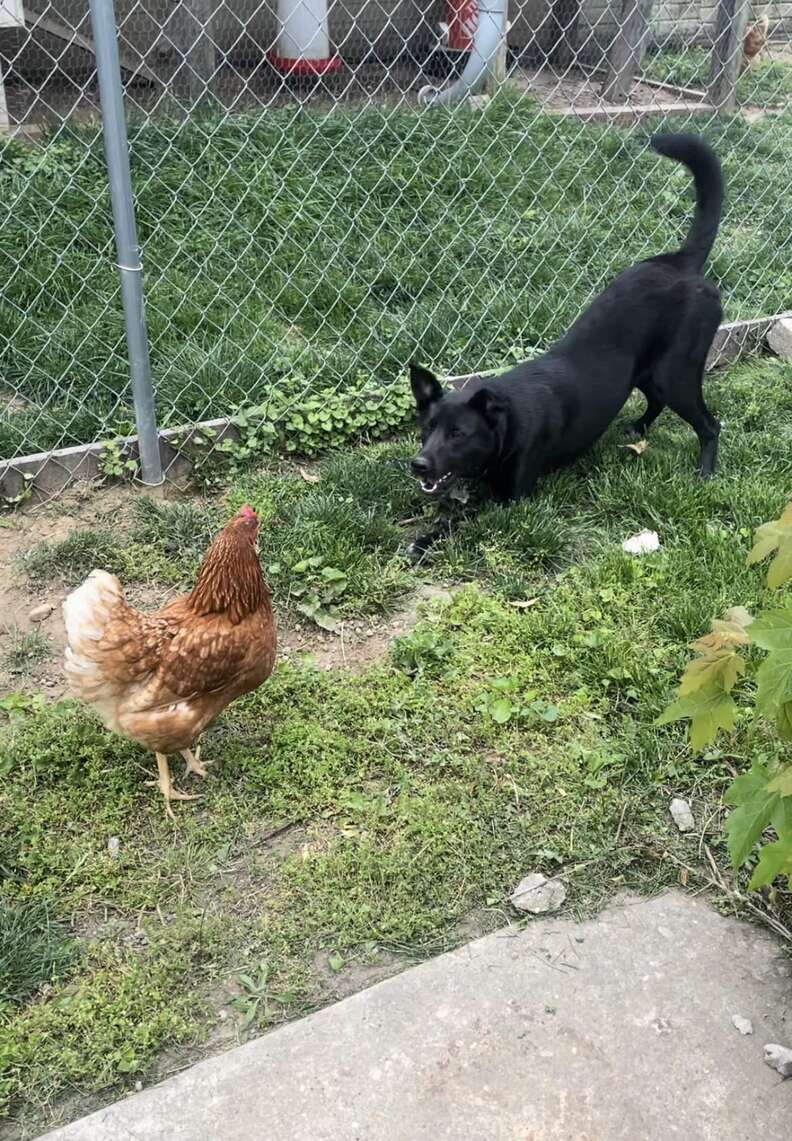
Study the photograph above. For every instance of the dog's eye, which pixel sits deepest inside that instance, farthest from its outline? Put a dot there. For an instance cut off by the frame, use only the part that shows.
(455, 433)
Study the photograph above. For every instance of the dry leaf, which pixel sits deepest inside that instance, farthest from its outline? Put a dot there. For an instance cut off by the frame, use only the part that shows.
(639, 447)
(524, 603)
(308, 476)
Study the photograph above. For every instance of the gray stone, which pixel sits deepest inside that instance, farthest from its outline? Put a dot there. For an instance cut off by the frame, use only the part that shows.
(744, 1025)
(538, 894)
(683, 817)
(780, 1058)
(779, 338)
(639, 1045)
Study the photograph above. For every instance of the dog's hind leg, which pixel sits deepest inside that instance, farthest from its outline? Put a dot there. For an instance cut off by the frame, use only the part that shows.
(654, 406)
(689, 404)
(679, 375)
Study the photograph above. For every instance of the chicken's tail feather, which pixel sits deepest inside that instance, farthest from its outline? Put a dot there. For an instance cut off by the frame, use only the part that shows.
(86, 613)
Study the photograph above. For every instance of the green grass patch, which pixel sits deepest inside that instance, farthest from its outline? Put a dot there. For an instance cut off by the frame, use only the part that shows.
(767, 84)
(493, 740)
(33, 949)
(296, 261)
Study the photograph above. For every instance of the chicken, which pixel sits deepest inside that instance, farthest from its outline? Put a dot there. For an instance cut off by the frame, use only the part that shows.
(159, 679)
(754, 41)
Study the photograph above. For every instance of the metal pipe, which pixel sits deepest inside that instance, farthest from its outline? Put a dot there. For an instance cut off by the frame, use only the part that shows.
(488, 42)
(127, 248)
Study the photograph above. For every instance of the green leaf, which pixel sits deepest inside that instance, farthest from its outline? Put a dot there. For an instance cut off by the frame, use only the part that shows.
(784, 720)
(709, 710)
(718, 668)
(773, 630)
(782, 784)
(747, 823)
(774, 859)
(774, 682)
(335, 961)
(746, 785)
(781, 567)
(501, 710)
(250, 1014)
(325, 619)
(333, 574)
(782, 818)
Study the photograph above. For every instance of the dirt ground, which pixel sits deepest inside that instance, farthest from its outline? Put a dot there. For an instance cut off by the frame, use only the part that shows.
(355, 645)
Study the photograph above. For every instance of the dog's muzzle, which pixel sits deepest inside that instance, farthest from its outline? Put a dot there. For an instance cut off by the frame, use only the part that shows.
(430, 485)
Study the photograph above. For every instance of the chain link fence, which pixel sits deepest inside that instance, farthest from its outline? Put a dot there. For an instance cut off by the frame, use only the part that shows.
(309, 221)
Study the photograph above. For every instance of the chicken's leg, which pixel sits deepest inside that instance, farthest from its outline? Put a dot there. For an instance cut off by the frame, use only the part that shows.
(194, 762)
(165, 785)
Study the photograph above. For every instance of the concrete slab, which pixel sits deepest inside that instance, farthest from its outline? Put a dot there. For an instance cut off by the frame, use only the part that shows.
(618, 1029)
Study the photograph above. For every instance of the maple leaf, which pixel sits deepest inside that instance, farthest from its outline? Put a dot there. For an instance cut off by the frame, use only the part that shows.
(775, 536)
(718, 668)
(708, 709)
(774, 860)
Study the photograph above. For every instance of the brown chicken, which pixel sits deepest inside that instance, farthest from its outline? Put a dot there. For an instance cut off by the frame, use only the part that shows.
(160, 679)
(754, 41)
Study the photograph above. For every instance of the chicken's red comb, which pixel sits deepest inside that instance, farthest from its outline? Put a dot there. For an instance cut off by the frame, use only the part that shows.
(247, 512)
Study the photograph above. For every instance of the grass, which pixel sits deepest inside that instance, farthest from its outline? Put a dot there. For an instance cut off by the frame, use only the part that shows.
(26, 649)
(354, 818)
(33, 950)
(767, 84)
(293, 255)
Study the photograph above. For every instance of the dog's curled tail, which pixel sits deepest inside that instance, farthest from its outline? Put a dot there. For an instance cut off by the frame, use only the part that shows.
(703, 164)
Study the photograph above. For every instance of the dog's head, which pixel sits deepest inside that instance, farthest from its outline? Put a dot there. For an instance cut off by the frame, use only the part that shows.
(462, 434)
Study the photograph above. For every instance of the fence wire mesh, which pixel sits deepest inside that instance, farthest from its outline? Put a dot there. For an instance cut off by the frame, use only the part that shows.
(304, 236)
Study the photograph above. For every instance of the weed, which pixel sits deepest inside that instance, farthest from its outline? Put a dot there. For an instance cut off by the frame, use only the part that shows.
(26, 649)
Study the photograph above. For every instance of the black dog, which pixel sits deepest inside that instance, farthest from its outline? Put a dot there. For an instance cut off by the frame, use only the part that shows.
(650, 329)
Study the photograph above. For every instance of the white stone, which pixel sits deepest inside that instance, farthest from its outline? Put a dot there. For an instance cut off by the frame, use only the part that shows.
(642, 544)
(780, 1058)
(683, 817)
(744, 1025)
(779, 338)
(538, 894)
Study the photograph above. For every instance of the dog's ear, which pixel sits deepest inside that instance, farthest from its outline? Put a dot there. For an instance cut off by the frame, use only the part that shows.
(426, 388)
(493, 409)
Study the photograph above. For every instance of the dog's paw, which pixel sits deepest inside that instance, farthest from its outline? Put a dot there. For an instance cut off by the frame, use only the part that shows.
(634, 430)
(419, 548)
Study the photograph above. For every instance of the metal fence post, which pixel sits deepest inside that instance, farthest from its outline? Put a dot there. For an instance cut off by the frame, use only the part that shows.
(127, 248)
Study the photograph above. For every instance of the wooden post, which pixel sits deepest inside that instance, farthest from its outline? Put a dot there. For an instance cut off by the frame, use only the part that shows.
(497, 74)
(5, 122)
(628, 49)
(727, 49)
(562, 33)
(189, 29)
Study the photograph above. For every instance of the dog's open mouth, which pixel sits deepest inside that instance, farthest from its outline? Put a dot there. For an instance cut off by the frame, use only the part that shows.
(434, 486)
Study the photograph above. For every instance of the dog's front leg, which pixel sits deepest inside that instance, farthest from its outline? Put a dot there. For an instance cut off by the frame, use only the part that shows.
(419, 548)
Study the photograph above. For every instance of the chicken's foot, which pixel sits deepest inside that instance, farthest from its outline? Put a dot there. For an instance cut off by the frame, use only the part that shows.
(165, 785)
(194, 762)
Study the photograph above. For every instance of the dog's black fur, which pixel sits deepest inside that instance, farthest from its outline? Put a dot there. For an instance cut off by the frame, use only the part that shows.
(651, 329)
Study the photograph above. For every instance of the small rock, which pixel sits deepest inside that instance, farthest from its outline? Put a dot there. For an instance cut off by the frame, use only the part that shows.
(642, 544)
(538, 894)
(779, 338)
(683, 817)
(41, 613)
(138, 1086)
(780, 1058)
(744, 1025)
(113, 846)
